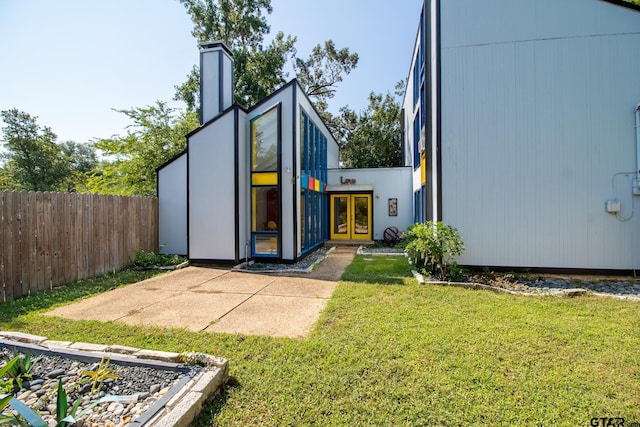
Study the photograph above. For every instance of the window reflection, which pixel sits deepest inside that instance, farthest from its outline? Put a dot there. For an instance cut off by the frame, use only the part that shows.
(265, 142)
(266, 204)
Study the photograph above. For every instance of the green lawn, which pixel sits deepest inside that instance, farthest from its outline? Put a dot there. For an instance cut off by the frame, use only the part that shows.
(388, 351)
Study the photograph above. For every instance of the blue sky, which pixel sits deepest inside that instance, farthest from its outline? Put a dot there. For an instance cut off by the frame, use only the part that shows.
(70, 62)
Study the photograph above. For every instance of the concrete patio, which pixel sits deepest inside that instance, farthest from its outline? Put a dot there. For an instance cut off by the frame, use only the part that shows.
(220, 300)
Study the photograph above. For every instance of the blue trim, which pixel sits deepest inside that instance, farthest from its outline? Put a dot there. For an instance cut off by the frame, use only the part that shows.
(416, 140)
(418, 205)
(314, 164)
(199, 107)
(325, 216)
(278, 111)
(316, 209)
(255, 234)
(419, 110)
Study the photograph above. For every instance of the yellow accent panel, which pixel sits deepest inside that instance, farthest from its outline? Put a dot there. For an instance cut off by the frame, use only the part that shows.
(265, 178)
(317, 185)
(423, 168)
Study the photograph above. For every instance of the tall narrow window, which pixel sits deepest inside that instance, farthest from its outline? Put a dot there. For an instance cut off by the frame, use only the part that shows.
(416, 141)
(313, 178)
(418, 205)
(265, 192)
(416, 79)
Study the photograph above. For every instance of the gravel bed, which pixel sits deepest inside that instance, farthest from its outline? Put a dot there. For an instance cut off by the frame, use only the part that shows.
(620, 288)
(139, 386)
(304, 265)
(538, 285)
(384, 250)
(554, 286)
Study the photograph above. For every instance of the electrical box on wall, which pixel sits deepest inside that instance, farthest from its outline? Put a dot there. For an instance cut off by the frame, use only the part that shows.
(636, 187)
(613, 206)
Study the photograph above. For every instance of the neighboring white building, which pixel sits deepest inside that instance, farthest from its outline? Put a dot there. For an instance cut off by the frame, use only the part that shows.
(526, 115)
(264, 182)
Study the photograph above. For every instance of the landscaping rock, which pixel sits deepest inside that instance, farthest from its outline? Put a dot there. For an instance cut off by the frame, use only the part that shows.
(544, 286)
(574, 292)
(140, 386)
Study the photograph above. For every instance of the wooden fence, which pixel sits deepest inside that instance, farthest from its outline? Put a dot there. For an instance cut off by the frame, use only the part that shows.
(50, 239)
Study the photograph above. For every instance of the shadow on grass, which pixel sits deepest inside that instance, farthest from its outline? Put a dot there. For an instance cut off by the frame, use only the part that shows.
(215, 404)
(374, 279)
(70, 292)
(379, 270)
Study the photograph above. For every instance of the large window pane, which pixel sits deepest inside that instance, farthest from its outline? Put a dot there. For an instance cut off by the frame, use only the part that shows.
(340, 213)
(303, 219)
(264, 133)
(361, 207)
(265, 209)
(416, 141)
(266, 244)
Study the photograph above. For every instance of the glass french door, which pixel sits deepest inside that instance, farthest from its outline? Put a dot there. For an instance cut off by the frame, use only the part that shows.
(351, 216)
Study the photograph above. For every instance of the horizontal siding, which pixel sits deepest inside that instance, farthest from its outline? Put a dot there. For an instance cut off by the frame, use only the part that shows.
(533, 134)
(473, 22)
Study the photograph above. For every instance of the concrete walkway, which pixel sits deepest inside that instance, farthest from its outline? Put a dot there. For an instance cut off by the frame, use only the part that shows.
(219, 300)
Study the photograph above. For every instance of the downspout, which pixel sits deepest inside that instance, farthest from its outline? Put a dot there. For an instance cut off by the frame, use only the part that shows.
(637, 181)
(638, 145)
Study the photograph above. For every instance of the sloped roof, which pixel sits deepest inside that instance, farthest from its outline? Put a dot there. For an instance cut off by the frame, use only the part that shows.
(624, 4)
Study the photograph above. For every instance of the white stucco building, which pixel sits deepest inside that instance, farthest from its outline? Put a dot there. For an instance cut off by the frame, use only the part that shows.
(264, 182)
(525, 113)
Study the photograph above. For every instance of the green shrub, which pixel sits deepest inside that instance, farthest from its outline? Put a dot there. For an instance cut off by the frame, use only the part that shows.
(155, 259)
(455, 273)
(433, 246)
(18, 372)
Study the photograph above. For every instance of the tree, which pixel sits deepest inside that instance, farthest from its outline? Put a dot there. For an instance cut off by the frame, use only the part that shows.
(373, 138)
(6, 178)
(83, 161)
(319, 76)
(324, 69)
(259, 70)
(34, 161)
(156, 135)
(240, 24)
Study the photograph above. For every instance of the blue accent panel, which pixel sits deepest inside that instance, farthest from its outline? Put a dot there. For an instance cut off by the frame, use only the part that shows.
(416, 78)
(416, 140)
(314, 165)
(419, 204)
(325, 216)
